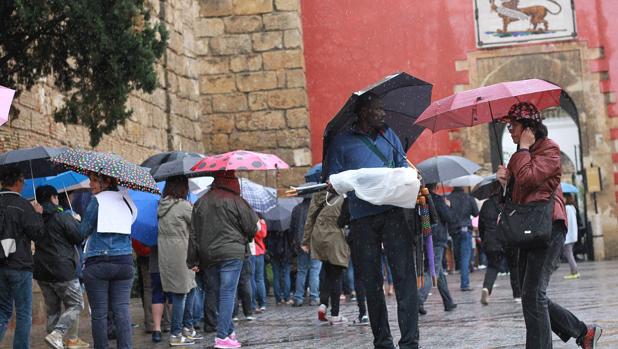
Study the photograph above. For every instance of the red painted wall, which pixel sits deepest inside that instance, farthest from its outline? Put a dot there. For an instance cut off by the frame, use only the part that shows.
(352, 43)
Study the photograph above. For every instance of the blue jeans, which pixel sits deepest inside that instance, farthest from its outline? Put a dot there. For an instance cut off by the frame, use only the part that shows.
(109, 287)
(16, 286)
(223, 279)
(198, 304)
(182, 311)
(465, 253)
(253, 283)
(281, 274)
(260, 287)
(447, 300)
(306, 265)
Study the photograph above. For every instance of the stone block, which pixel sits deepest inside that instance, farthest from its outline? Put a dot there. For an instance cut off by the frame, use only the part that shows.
(281, 78)
(216, 8)
(218, 143)
(266, 41)
(222, 123)
(292, 38)
(209, 27)
(248, 139)
(282, 59)
(252, 7)
(175, 41)
(206, 104)
(212, 84)
(246, 63)
(295, 78)
(231, 44)
(258, 100)
(302, 157)
(286, 99)
(296, 118)
(214, 65)
(293, 138)
(261, 120)
(231, 102)
(247, 82)
(280, 21)
(202, 47)
(242, 24)
(287, 5)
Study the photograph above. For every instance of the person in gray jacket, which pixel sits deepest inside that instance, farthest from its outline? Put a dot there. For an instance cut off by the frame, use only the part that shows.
(174, 215)
(223, 224)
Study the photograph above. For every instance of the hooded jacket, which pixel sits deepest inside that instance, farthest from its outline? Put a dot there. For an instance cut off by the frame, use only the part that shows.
(24, 224)
(222, 226)
(488, 223)
(537, 175)
(56, 258)
(174, 229)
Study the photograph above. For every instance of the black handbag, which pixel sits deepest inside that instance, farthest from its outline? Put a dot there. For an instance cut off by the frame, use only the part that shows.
(527, 226)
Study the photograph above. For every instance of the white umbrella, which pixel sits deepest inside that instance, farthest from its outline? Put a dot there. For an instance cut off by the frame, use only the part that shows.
(464, 181)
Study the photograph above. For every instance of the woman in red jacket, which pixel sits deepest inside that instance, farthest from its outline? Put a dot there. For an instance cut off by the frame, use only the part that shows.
(536, 170)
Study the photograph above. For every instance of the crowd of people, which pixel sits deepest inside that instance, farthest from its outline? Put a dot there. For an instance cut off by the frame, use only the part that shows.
(208, 265)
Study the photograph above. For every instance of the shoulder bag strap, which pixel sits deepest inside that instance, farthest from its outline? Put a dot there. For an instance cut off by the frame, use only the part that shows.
(377, 151)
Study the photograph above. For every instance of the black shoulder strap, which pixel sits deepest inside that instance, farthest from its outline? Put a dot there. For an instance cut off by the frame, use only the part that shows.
(377, 151)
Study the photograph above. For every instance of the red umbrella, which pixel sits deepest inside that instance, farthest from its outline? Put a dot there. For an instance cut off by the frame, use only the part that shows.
(486, 104)
(240, 160)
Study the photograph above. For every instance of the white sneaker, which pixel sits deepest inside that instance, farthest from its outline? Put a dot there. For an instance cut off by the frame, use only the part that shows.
(485, 296)
(180, 340)
(250, 318)
(54, 339)
(191, 334)
(338, 320)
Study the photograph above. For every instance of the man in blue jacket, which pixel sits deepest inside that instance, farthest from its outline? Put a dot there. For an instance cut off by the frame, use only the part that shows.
(366, 145)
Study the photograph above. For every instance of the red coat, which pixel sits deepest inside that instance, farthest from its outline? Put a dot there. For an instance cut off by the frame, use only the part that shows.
(260, 247)
(537, 174)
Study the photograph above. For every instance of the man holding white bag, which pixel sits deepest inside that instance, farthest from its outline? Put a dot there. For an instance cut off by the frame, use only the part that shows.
(369, 143)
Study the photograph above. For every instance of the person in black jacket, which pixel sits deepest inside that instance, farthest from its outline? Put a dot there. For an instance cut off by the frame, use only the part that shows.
(55, 268)
(495, 249)
(20, 223)
(439, 232)
(463, 207)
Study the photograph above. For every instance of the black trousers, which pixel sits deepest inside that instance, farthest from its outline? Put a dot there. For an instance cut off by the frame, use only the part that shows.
(495, 258)
(331, 282)
(369, 234)
(542, 316)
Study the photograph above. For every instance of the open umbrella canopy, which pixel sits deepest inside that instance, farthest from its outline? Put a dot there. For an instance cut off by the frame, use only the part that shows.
(126, 173)
(240, 160)
(280, 217)
(33, 162)
(442, 168)
(177, 168)
(6, 98)
(568, 188)
(259, 197)
(464, 181)
(483, 189)
(488, 103)
(157, 160)
(63, 182)
(404, 97)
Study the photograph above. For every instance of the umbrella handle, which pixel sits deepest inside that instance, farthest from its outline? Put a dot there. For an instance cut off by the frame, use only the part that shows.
(32, 176)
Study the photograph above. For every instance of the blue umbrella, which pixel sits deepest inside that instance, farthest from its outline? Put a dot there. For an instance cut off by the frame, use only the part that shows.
(259, 197)
(63, 182)
(568, 188)
(314, 173)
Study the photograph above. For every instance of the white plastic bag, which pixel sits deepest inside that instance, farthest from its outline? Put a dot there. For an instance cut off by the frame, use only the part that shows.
(380, 186)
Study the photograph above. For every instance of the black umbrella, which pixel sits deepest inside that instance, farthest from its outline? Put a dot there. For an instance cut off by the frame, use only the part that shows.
(280, 217)
(176, 168)
(33, 162)
(157, 160)
(405, 98)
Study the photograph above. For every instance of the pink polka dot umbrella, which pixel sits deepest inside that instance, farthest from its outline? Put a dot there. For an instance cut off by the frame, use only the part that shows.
(126, 173)
(241, 160)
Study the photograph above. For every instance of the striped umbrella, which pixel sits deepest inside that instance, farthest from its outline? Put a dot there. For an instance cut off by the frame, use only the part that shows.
(126, 173)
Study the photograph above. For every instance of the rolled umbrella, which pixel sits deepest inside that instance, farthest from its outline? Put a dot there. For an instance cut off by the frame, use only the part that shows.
(445, 167)
(126, 173)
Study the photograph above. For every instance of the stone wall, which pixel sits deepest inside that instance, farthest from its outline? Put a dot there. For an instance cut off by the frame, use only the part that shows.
(252, 81)
(166, 119)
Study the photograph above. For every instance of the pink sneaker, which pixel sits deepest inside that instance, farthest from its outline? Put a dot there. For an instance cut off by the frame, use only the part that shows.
(226, 343)
(233, 336)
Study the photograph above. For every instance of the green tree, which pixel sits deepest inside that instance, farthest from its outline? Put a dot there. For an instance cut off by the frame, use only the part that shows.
(96, 51)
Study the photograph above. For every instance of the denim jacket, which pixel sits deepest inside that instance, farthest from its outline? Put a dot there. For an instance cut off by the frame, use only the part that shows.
(101, 244)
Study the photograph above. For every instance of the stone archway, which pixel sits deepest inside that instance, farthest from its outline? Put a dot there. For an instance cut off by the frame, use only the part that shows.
(564, 64)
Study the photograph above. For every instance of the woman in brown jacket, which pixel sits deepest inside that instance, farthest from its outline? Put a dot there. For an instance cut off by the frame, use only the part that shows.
(327, 243)
(536, 170)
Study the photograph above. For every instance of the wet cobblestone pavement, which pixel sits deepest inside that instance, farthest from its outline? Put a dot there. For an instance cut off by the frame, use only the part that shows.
(593, 298)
